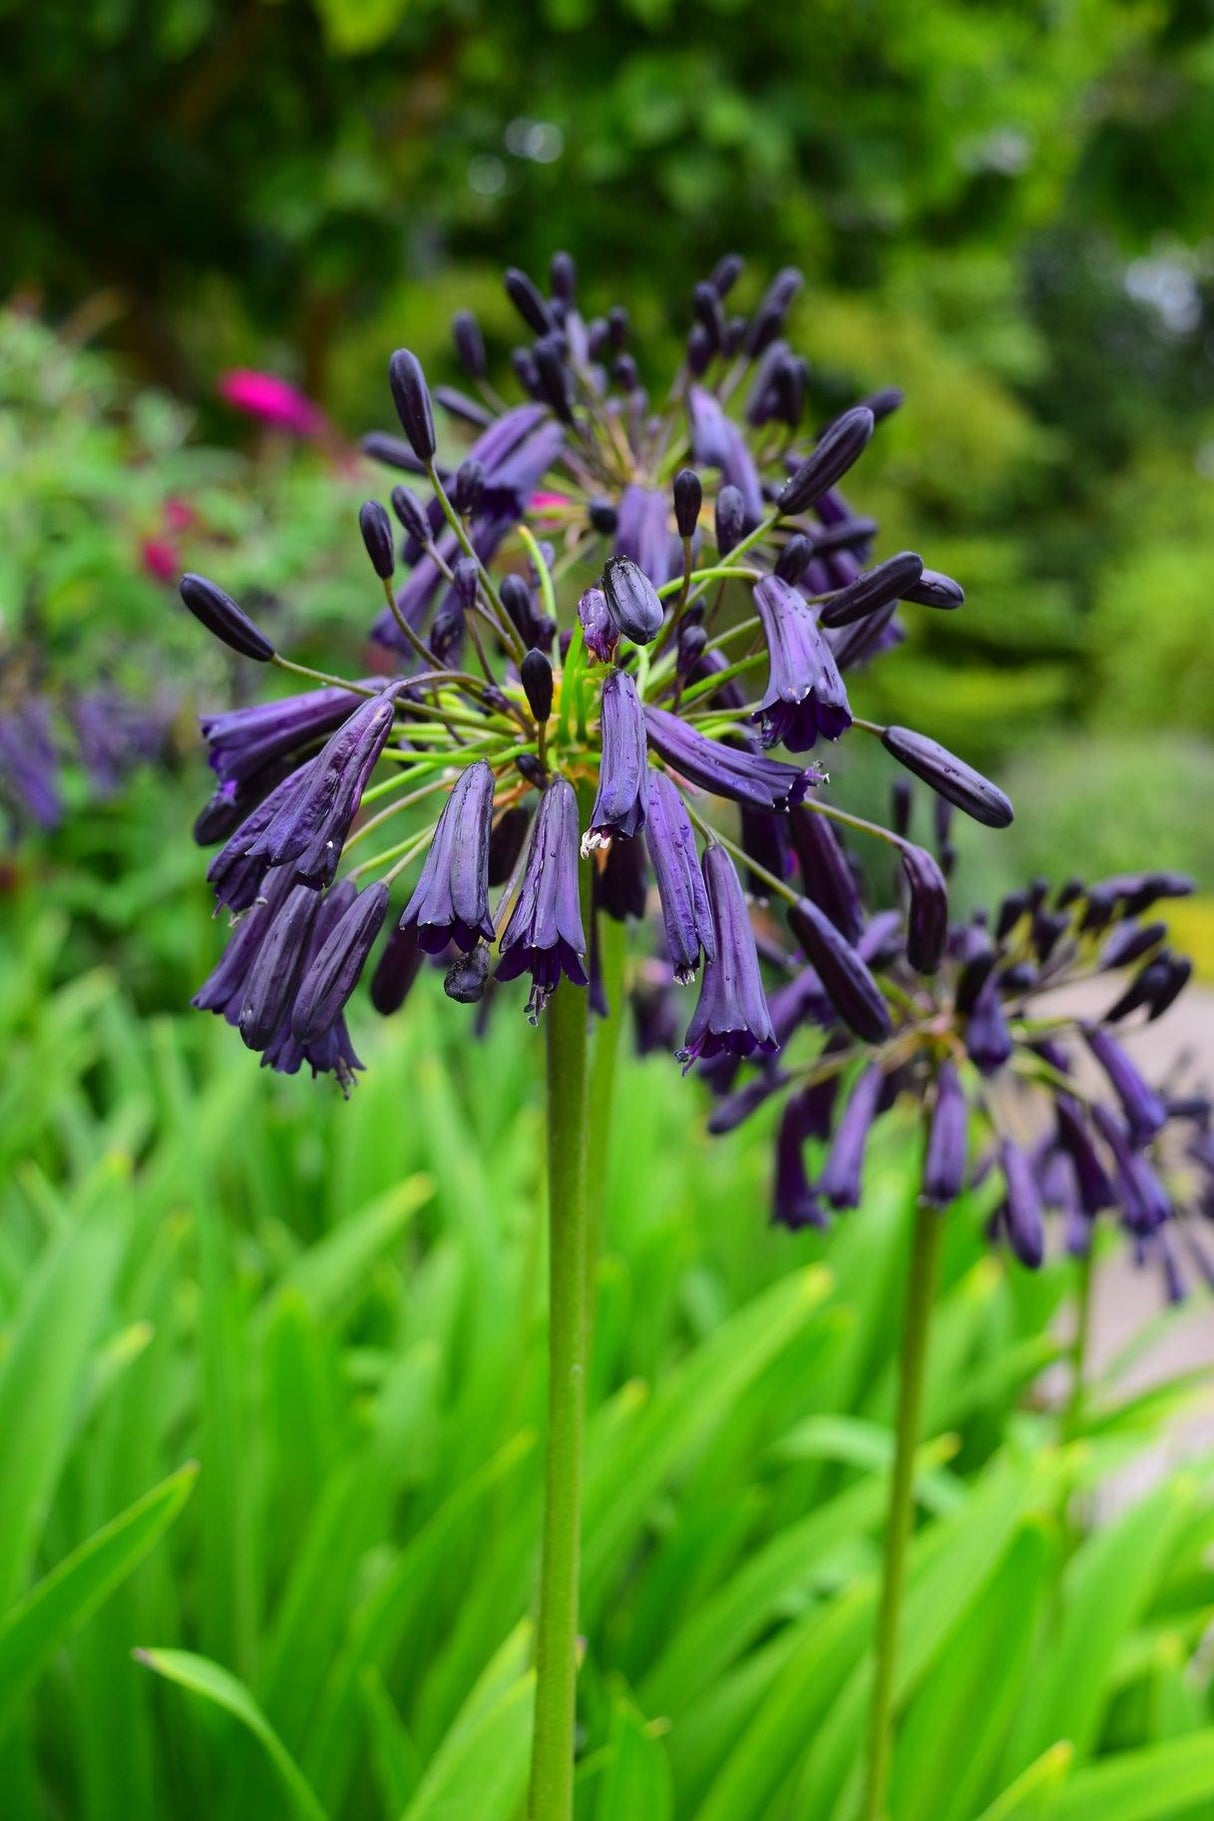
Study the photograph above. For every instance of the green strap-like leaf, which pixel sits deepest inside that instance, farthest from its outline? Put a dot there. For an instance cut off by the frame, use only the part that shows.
(74, 1590)
(218, 1685)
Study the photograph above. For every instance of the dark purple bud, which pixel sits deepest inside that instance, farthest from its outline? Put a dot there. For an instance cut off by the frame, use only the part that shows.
(411, 513)
(874, 589)
(553, 378)
(451, 900)
(1140, 890)
(391, 451)
(964, 787)
(536, 674)
(599, 630)
(927, 913)
(562, 277)
(826, 873)
(528, 766)
(848, 533)
(397, 968)
(1011, 910)
(1022, 1215)
(706, 304)
(506, 842)
(688, 498)
(725, 274)
(735, 336)
(269, 989)
(1165, 992)
(726, 771)
(516, 599)
(931, 589)
(672, 850)
(1068, 894)
(1144, 1111)
(1091, 1177)
(469, 343)
(731, 1017)
(1129, 942)
(805, 694)
(977, 956)
(838, 449)
(466, 978)
(411, 396)
(619, 806)
(1098, 906)
(376, 528)
(848, 984)
(604, 517)
(465, 577)
(988, 1041)
(792, 560)
(692, 641)
(839, 1183)
(617, 325)
(700, 349)
(730, 519)
(632, 600)
(221, 616)
(947, 1140)
(469, 486)
(884, 403)
(901, 803)
(544, 934)
(334, 972)
(526, 371)
(1048, 928)
(528, 302)
(794, 1203)
(1143, 1197)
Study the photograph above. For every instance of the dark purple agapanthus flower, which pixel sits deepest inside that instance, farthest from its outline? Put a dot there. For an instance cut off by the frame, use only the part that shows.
(732, 1016)
(686, 915)
(805, 695)
(544, 935)
(619, 807)
(450, 902)
(573, 603)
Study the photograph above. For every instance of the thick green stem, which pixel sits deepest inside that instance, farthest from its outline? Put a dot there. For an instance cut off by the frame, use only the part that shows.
(551, 1797)
(925, 1245)
(613, 950)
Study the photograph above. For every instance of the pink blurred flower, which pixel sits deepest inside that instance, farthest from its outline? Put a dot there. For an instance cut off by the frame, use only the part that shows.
(159, 558)
(179, 515)
(271, 401)
(547, 502)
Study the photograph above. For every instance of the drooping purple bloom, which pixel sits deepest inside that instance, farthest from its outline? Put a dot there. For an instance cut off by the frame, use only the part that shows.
(451, 900)
(544, 934)
(599, 630)
(1091, 1177)
(732, 1016)
(805, 694)
(236, 872)
(399, 964)
(839, 1183)
(223, 988)
(619, 806)
(274, 973)
(1021, 1214)
(947, 1140)
(621, 887)
(794, 1203)
(686, 915)
(311, 826)
(726, 771)
(1144, 1200)
(334, 971)
(245, 740)
(988, 1041)
(1144, 1111)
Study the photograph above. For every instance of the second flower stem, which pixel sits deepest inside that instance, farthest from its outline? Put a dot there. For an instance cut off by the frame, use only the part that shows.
(925, 1246)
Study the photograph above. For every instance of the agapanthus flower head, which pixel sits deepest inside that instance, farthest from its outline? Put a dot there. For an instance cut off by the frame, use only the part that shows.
(570, 709)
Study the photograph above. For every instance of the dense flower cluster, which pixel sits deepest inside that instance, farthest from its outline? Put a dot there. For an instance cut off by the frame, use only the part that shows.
(571, 619)
(975, 1023)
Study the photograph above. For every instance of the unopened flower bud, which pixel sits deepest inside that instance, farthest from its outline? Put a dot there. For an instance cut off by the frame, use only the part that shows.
(688, 498)
(411, 396)
(376, 528)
